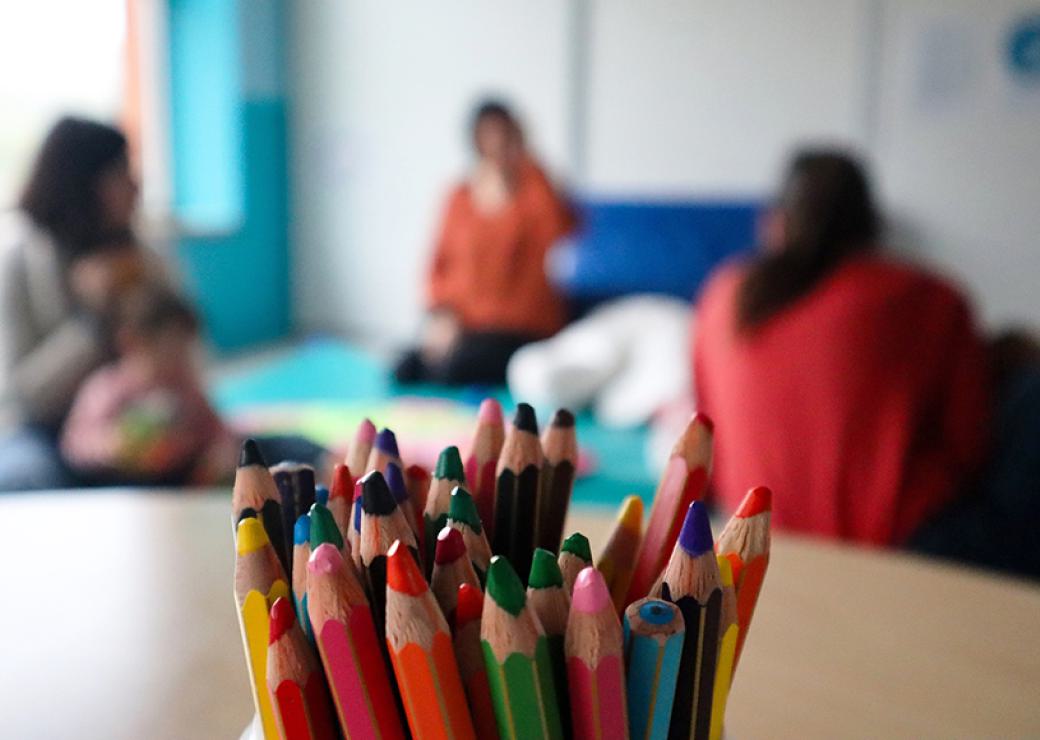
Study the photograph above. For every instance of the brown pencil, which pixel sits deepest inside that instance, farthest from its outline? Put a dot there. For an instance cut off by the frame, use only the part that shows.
(482, 459)
(517, 491)
(255, 494)
(560, 445)
(451, 568)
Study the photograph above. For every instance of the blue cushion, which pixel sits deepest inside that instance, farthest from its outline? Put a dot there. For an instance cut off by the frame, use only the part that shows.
(668, 247)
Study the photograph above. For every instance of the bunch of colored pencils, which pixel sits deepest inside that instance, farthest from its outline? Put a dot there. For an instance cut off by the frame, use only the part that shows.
(399, 604)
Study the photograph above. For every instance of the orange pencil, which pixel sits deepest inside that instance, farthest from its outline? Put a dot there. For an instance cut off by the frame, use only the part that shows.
(684, 481)
(451, 568)
(595, 667)
(296, 683)
(259, 581)
(482, 459)
(745, 543)
(255, 494)
(470, 658)
(422, 654)
(361, 447)
(619, 556)
(345, 635)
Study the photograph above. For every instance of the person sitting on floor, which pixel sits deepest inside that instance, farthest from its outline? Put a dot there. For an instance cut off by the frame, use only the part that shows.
(487, 288)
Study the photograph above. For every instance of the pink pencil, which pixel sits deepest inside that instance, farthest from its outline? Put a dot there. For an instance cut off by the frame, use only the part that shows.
(361, 447)
(595, 669)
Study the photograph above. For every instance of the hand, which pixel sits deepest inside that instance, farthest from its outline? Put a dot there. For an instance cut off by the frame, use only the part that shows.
(441, 333)
(98, 279)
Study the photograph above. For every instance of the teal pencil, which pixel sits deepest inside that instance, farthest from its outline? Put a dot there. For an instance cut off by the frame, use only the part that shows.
(654, 633)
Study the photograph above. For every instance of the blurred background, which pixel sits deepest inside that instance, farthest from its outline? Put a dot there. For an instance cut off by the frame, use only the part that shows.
(294, 161)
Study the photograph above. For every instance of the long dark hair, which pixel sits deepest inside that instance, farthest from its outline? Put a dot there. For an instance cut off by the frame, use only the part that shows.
(61, 193)
(829, 215)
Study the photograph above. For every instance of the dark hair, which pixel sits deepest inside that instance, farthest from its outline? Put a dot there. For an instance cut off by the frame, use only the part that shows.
(61, 193)
(148, 310)
(492, 108)
(829, 215)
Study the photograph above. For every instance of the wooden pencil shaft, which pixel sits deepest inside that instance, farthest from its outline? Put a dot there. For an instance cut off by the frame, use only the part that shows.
(556, 488)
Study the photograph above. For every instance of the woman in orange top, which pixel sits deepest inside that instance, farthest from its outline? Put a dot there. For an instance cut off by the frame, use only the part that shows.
(487, 289)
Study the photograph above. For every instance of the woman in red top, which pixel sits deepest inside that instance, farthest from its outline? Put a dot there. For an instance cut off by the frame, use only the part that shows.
(487, 289)
(855, 386)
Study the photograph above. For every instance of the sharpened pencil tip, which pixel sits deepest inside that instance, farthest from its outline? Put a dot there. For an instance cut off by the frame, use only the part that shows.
(504, 586)
(704, 420)
(490, 412)
(402, 572)
(630, 515)
(251, 536)
(578, 544)
(450, 546)
(449, 465)
(395, 481)
(250, 455)
(342, 482)
(470, 605)
(321, 495)
(591, 594)
(366, 432)
(524, 419)
(757, 500)
(695, 536)
(302, 530)
(461, 508)
(545, 571)
(563, 418)
(282, 618)
(376, 497)
(386, 442)
(323, 527)
(325, 559)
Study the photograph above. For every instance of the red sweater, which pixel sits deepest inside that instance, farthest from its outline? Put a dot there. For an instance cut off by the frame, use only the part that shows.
(863, 405)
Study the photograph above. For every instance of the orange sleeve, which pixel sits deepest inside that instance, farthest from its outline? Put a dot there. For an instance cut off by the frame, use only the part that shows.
(440, 288)
(554, 215)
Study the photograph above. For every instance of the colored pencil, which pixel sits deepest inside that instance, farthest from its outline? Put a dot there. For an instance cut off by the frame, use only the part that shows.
(395, 480)
(295, 483)
(382, 523)
(384, 450)
(259, 580)
(654, 632)
(619, 555)
(422, 653)
(462, 515)
(340, 500)
(345, 635)
(361, 447)
(295, 681)
(684, 481)
(256, 494)
(517, 491)
(560, 446)
(301, 554)
(745, 542)
(575, 556)
(417, 478)
(728, 632)
(516, 656)
(446, 476)
(471, 661)
(549, 601)
(691, 582)
(321, 494)
(451, 568)
(482, 459)
(595, 668)
(354, 536)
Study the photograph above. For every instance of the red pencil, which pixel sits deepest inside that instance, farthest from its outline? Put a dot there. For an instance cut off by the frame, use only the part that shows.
(341, 500)
(683, 482)
(470, 658)
(297, 685)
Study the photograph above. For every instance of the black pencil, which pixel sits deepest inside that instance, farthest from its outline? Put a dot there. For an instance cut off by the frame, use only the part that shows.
(516, 492)
(560, 446)
(295, 483)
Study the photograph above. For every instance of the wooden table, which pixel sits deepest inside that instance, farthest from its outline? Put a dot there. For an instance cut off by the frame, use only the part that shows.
(118, 622)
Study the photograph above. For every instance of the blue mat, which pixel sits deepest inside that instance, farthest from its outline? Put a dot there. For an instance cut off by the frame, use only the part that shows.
(330, 371)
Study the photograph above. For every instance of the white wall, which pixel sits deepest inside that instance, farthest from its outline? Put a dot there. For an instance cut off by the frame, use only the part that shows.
(381, 101)
(681, 98)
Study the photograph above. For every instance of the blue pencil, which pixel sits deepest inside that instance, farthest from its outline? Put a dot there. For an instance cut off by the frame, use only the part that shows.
(654, 634)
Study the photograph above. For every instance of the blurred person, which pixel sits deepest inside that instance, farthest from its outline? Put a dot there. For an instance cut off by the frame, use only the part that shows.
(857, 387)
(487, 288)
(145, 418)
(59, 274)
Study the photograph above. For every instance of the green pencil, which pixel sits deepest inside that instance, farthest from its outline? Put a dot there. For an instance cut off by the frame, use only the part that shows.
(575, 556)
(446, 476)
(549, 601)
(462, 515)
(516, 654)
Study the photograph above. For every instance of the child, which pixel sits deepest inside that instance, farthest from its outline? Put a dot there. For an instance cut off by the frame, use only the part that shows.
(145, 419)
